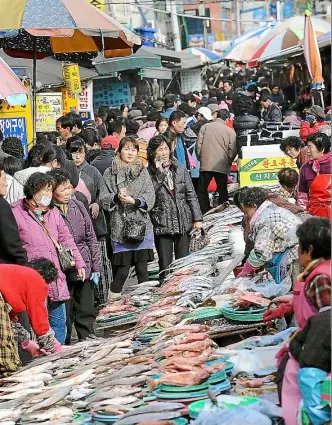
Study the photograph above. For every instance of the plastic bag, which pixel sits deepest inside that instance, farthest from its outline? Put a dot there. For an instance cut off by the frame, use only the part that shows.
(238, 416)
(280, 337)
(267, 286)
(310, 381)
(246, 361)
(255, 414)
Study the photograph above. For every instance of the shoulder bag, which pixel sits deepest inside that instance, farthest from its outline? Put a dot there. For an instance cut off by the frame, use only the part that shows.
(66, 257)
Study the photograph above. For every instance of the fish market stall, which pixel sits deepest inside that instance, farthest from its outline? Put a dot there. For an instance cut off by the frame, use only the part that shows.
(160, 363)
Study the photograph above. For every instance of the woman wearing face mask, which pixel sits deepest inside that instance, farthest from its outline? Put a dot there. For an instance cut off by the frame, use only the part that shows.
(92, 180)
(80, 308)
(314, 191)
(176, 210)
(127, 194)
(41, 228)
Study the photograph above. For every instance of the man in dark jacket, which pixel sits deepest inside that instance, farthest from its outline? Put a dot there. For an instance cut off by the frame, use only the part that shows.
(272, 112)
(106, 156)
(245, 121)
(11, 249)
(177, 124)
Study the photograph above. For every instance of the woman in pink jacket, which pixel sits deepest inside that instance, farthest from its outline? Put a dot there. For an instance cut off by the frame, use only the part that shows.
(41, 227)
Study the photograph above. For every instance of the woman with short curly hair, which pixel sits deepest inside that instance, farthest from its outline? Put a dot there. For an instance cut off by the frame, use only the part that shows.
(42, 230)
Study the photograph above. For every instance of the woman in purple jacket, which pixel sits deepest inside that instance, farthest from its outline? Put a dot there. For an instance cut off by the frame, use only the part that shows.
(80, 310)
(39, 226)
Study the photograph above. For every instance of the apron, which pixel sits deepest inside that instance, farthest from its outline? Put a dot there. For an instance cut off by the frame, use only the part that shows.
(319, 204)
(277, 267)
(303, 310)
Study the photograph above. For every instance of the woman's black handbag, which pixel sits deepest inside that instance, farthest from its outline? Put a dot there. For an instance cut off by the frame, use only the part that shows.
(134, 230)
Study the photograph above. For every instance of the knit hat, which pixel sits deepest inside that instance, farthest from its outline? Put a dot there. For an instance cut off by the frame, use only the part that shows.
(109, 142)
(206, 112)
(213, 107)
(90, 124)
(158, 104)
(135, 114)
(317, 111)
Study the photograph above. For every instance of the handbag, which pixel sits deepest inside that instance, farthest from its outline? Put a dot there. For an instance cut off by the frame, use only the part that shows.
(134, 230)
(66, 257)
(198, 240)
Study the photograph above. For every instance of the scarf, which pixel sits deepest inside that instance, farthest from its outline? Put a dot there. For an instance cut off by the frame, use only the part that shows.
(36, 209)
(316, 163)
(62, 207)
(134, 169)
(313, 264)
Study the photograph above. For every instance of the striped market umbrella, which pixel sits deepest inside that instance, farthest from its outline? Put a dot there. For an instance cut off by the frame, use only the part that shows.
(38, 28)
(285, 35)
(243, 47)
(207, 56)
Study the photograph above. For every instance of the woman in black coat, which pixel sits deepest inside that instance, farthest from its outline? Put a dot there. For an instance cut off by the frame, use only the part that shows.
(176, 210)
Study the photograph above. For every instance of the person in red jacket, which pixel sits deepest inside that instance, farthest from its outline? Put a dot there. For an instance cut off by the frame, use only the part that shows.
(315, 119)
(24, 288)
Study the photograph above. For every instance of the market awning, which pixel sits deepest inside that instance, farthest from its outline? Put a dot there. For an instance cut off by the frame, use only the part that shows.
(173, 59)
(49, 71)
(139, 60)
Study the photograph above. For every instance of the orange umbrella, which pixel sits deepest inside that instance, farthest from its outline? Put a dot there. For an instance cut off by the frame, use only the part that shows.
(312, 54)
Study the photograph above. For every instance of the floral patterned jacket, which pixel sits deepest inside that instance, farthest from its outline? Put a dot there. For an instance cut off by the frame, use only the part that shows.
(273, 230)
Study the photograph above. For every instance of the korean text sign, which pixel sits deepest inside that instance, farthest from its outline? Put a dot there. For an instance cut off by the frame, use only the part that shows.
(263, 171)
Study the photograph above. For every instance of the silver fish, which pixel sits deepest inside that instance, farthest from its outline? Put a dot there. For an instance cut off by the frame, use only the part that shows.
(59, 395)
(145, 417)
(154, 408)
(54, 413)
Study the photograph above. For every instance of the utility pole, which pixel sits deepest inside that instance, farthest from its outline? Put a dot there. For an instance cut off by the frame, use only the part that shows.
(175, 27)
(279, 16)
(237, 18)
(201, 12)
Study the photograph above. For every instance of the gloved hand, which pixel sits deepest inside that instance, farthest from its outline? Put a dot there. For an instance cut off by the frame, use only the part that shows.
(278, 312)
(32, 347)
(57, 347)
(248, 269)
(95, 278)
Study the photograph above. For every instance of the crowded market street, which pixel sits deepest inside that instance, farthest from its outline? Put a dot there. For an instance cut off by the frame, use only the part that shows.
(165, 212)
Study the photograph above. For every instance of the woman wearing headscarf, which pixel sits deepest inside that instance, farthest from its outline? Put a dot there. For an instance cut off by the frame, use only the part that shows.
(81, 308)
(44, 234)
(176, 210)
(272, 234)
(127, 194)
(314, 190)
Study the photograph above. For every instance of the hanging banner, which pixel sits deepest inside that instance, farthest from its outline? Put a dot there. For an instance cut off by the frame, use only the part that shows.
(16, 121)
(49, 108)
(191, 80)
(69, 101)
(85, 101)
(107, 93)
(263, 171)
(99, 4)
(71, 77)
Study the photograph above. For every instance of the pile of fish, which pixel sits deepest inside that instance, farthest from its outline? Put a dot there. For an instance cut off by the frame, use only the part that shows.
(115, 379)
